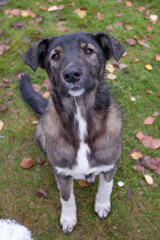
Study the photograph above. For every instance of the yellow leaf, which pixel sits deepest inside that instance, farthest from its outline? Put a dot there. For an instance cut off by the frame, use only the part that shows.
(53, 8)
(82, 183)
(1, 125)
(81, 14)
(24, 14)
(148, 179)
(46, 94)
(136, 155)
(110, 67)
(148, 66)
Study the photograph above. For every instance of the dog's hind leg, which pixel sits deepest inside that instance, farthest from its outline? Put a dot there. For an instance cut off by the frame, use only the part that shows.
(68, 218)
(102, 202)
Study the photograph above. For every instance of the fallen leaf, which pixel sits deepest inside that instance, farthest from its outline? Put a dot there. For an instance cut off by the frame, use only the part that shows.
(53, 8)
(18, 75)
(128, 4)
(39, 20)
(133, 99)
(156, 114)
(36, 87)
(129, 193)
(13, 12)
(31, 22)
(149, 91)
(46, 83)
(83, 183)
(4, 48)
(158, 58)
(41, 193)
(28, 13)
(140, 135)
(10, 94)
(147, 13)
(99, 16)
(3, 107)
(35, 122)
(46, 94)
(153, 19)
(141, 42)
(17, 25)
(27, 163)
(7, 80)
(3, 2)
(4, 85)
(146, 141)
(26, 40)
(62, 29)
(148, 67)
(14, 110)
(118, 24)
(111, 76)
(1, 124)
(139, 168)
(149, 28)
(148, 179)
(131, 41)
(148, 121)
(149, 162)
(122, 66)
(155, 143)
(109, 28)
(128, 27)
(44, 8)
(134, 60)
(80, 13)
(141, 9)
(136, 154)
(39, 160)
(118, 14)
(110, 67)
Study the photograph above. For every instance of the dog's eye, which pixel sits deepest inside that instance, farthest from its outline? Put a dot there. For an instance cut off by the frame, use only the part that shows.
(56, 56)
(88, 51)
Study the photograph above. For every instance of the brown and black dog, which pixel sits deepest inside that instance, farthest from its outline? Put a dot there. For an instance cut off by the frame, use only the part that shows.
(80, 126)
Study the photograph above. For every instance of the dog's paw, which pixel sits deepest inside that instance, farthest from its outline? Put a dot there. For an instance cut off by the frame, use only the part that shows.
(90, 179)
(102, 209)
(68, 223)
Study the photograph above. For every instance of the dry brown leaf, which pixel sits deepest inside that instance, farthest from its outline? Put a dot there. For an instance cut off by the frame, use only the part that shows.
(39, 160)
(14, 110)
(155, 143)
(41, 193)
(149, 162)
(36, 87)
(148, 121)
(148, 179)
(149, 91)
(99, 16)
(128, 27)
(156, 114)
(4, 48)
(110, 67)
(131, 41)
(46, 83)
(134, 60)
(3, 107)
(128, 4)
(62, 29)
(44, 8)
(17, 25)
(46, 94)
(141, 9)
(1, 124)
(35, 122)
(118, 14)
(149, 28)
(146, 141)
(122, 66)
(139, 168)
(83, 183)
(158, 58)
(27, 163)
(111, 76)
(140, 135)
(109, 28)
(118, 24)
(141, 42)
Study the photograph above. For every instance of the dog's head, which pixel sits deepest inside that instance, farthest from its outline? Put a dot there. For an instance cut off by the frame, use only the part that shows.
(74, 62)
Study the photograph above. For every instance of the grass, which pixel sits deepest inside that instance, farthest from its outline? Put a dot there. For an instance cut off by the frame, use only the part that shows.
(136, 218)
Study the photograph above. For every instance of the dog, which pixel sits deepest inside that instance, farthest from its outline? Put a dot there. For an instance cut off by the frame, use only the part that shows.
(80, 125)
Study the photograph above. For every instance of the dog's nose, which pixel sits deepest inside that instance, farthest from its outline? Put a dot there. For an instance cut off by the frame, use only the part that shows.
(72, 74)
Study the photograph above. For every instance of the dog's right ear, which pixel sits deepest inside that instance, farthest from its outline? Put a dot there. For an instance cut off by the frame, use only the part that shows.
(34, 56)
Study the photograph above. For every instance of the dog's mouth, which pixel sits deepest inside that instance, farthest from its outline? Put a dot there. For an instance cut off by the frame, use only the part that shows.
(75, 91)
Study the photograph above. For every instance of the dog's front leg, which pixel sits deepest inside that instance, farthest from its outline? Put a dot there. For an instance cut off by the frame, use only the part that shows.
(68, 217)
(102, 202)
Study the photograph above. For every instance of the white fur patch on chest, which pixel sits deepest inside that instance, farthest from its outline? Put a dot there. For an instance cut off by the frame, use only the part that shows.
(82, 168)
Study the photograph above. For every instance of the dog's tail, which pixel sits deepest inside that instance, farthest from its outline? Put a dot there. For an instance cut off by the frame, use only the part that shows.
(33, 98)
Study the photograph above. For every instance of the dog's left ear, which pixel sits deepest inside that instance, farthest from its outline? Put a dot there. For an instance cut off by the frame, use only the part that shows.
(111, 46)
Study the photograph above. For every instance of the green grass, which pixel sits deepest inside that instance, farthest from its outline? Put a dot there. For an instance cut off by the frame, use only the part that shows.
(136, 218)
